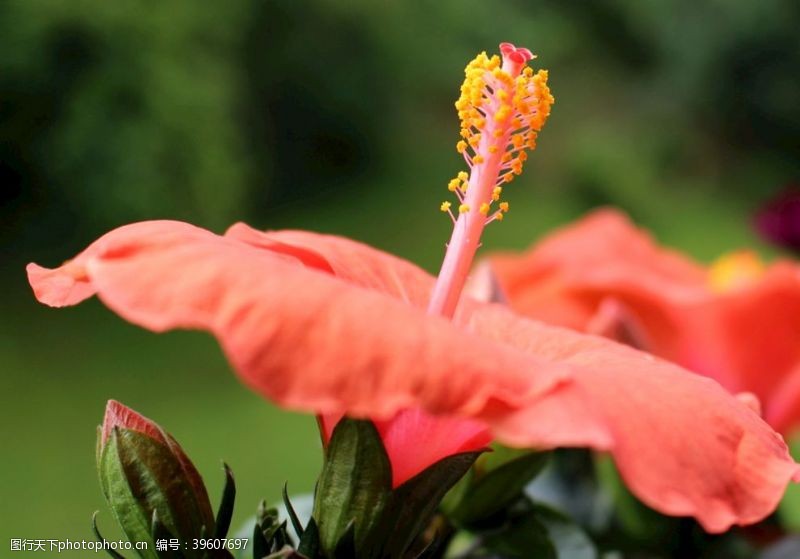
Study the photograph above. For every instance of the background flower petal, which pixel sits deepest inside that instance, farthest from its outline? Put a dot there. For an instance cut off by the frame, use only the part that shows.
(746, 336)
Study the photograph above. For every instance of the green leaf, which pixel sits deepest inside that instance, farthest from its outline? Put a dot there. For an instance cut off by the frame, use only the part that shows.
(225, 511)
(789, 509)
(354, 486)
(534, 530)
(497, 481)
(637, 520)
(568, 539)
(522, 537)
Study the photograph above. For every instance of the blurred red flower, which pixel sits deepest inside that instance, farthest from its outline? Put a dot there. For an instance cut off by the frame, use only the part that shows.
(736, 321)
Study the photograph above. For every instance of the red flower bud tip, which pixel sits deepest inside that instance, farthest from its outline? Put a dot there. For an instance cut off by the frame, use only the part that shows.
(119, 415)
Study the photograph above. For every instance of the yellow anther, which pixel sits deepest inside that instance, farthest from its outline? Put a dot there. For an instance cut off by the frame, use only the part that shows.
(498, 216)
(503, 206)
(500, 115)
(445, 206)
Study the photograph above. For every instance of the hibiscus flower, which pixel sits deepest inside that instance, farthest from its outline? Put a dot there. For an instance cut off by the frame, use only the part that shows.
(736, 321)
(327, 325)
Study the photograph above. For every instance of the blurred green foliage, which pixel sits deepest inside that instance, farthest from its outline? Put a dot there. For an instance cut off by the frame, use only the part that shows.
(333, 116)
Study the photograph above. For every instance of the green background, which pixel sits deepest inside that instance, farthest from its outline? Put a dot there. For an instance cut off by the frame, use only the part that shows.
(336, 117)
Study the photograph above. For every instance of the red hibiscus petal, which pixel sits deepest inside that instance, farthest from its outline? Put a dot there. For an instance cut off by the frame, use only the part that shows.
(414, 440)
(118, 415)
(300, 336)
(314, 341)
(350, 260)
(664, 425)
(402, 435)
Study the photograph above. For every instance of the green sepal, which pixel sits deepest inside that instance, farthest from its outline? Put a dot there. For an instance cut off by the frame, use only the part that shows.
(309, 541)
(140, 475)
(269, 534)
(287, 504)
(346, 546)
(225, 511)
(112, 553)
(432, 549)
(160, 532)
(496, 481)
(285, 553)
(413, 504)
(354, 486)
(261, 547)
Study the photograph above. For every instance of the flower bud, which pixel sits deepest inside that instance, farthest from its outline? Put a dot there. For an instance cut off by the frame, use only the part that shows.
(150, 484)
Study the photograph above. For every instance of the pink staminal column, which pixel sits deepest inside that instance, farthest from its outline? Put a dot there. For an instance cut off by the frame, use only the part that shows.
(502, 107)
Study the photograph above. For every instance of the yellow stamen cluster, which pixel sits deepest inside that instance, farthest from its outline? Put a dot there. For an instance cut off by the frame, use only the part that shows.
(501, 116)
(734, 271)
